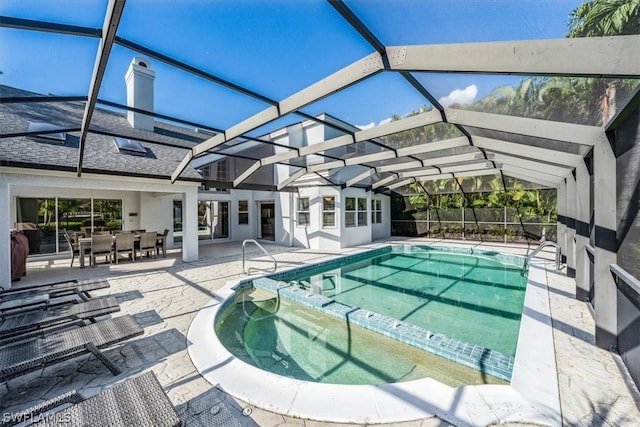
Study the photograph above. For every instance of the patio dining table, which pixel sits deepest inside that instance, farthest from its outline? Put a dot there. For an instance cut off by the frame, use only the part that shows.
(85, 244)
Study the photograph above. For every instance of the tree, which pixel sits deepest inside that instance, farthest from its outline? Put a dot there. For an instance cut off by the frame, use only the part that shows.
(597, 18)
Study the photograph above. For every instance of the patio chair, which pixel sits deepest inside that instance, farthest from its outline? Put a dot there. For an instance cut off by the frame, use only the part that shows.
(101, 244)
(124, 244)
(74, 246)
(26, 356)
(161, 244)
(27, 325)
(136, 401)
(148, 243)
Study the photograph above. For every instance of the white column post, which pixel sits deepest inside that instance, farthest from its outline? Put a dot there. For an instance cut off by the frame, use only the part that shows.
(5, 235)
(562, 219)
(582, 231)
(571, 226)
(190, 225)
(605, 293)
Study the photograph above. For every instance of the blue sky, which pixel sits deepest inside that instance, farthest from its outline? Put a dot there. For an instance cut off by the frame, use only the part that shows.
(274, 47)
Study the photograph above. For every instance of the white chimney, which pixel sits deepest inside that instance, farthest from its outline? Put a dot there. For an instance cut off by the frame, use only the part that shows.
(139, 79)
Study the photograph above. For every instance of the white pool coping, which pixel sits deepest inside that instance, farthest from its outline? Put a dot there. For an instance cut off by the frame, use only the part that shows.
(532, 396)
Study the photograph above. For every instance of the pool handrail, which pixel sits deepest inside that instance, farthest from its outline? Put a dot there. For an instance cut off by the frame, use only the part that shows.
(275, 263)
(540, 247)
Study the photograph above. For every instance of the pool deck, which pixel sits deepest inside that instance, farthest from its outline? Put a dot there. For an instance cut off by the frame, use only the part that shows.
(165, 294)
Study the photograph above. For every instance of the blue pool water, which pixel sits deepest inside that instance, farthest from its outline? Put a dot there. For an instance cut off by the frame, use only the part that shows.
(474, 298)
(332, 322)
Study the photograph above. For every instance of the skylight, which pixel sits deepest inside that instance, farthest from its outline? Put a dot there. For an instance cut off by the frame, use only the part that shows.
(129, 146)
(47, 127)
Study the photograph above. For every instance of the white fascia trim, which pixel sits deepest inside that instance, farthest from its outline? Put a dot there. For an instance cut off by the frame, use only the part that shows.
(615, 56)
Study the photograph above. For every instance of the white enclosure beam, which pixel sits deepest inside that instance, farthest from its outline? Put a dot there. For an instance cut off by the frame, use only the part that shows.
(527, 151)
(412, 122)
(414, 164)
(615, 57)
(364, 175)
(418, 173)
(384, 181)
(460, 141)
(401, 183)
(291, 178)
(246, 174)
(548, 129)
(533, 174)
(518, 173)
(559, 171)
(347, 76)
(325, 166)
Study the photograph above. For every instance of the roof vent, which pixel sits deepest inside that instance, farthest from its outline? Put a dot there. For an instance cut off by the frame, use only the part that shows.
(129, 146)
(50, 132)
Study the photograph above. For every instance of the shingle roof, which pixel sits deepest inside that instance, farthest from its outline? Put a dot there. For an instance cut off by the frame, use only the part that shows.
(166, 145)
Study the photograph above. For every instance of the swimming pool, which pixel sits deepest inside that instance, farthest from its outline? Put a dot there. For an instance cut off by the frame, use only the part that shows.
(475, 297)
(461, 306)
(532, 394)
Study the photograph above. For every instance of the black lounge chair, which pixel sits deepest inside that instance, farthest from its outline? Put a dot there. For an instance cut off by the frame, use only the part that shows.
(18, 300)
(82, 288)
(137, 401)
(37, 323)
(25, 356)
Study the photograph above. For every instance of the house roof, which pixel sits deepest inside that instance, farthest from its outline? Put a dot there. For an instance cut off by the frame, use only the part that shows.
(166, 145)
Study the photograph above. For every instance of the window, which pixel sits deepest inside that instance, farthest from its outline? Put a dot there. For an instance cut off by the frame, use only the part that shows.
(49, 131)
(362, 212)
(129, 146)
(376, 212)
(243, 212)
(350, 212)
(328, 211)
(303, 211)
(355, 212)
